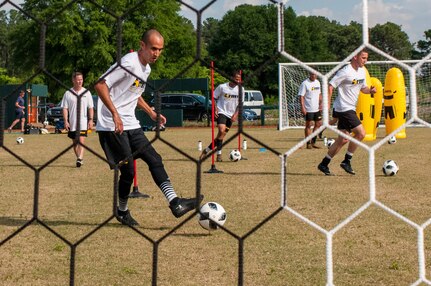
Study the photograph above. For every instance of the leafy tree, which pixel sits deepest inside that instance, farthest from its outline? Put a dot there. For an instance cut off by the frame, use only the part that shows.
(423, 46)
(6, 79)
(83, 36)
(391, 39)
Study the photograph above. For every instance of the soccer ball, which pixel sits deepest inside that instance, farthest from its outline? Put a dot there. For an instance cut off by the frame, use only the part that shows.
(330, 142)
(392, 140)
(235, 155)
(211, 215)
(390, 168)
(20, 140)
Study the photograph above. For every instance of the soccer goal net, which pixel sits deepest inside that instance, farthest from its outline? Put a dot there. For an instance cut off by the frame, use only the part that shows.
(291, 76)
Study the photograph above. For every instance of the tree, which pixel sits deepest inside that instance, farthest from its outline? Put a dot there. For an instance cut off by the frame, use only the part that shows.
(83, 36)
(423, 46)
(392, 40)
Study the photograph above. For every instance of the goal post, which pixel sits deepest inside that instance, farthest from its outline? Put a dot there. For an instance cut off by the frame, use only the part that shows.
(291, 76)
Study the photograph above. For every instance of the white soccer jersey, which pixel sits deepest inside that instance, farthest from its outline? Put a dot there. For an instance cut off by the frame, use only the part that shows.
(349, 83)
(311, 92)
(125, 90)
(227, 99)
(70, 102)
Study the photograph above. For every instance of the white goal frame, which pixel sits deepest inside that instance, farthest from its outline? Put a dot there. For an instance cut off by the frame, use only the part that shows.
(292, 74)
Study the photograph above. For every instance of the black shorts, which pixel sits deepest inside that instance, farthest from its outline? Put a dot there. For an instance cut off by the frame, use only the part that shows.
(223, 119)
(72, 134)
(313, 116)
(19, 114)
(348, 120)
(120, 147)
(334, 114)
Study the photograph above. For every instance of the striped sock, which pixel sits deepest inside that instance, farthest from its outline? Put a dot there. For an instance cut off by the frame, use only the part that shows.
(122, 204)
(168, 190)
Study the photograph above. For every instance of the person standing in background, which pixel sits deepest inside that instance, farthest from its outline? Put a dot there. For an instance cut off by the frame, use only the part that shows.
(69, 103)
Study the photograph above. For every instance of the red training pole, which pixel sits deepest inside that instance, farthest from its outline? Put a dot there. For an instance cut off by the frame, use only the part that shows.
(135, 192)
(212, 111)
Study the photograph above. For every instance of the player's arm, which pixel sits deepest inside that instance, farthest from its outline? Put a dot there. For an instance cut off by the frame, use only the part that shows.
(330, 91)
(302, 100)
(65, 113)
(90, 117)
(368, 90)
(102, 91)
(142, 104)
(320, 102)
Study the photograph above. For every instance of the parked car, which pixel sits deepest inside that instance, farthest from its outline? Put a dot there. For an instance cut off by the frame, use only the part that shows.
(193, 105)
(54, 114)
(249, 115)
(253, 99)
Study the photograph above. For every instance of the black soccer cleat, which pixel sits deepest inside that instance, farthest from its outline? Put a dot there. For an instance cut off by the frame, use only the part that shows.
(324, 169)
(347, 167)
(79, 163)
(126, 218)
(183, 206)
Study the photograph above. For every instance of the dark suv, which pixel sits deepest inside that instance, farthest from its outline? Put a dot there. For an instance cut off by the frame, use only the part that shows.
(193, 105)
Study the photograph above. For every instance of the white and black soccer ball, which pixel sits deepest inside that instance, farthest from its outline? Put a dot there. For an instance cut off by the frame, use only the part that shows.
(330, 142)
(235, 155)
(392, 140)
(390, 168)
(20, 140)
(211, 215)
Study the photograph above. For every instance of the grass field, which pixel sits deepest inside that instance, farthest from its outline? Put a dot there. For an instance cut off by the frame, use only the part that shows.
(279, 248)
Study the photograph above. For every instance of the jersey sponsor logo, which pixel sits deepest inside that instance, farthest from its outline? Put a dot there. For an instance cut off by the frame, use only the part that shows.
(139, 83)
(357, 81)
(315, 88)
(138, 86)
(226, 95)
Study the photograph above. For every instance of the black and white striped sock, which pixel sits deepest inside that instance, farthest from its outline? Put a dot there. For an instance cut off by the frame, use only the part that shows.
(168, 190)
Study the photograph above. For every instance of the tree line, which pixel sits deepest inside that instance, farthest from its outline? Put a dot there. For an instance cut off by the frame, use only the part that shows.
(84, 36)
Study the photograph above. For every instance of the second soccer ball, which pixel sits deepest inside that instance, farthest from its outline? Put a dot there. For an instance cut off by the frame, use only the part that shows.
(235, 155)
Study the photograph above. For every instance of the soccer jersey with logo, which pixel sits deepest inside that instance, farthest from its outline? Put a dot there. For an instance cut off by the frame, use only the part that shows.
(125, 85)
(349, 82)
(311, 92)
(70, 101)
(227, 99)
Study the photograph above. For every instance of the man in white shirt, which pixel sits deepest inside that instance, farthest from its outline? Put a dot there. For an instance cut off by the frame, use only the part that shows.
(350, 80)
(72, 118)
(120, 133)
(227, 97)
(311, 106)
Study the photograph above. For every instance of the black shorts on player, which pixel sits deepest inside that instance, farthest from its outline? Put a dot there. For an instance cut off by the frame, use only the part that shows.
(313, 116)
(223, 119)
(348, 120)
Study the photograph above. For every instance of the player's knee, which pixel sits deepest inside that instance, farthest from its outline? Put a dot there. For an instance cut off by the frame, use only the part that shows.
(360, 136)
(127, 173)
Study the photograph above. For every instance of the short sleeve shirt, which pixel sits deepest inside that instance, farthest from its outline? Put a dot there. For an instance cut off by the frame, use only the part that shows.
(310, 90)
(227, 99)
(349, 83)
(126, 84)
(70, 102)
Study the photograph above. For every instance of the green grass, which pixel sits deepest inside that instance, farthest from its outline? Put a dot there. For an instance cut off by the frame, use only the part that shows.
(374, 248)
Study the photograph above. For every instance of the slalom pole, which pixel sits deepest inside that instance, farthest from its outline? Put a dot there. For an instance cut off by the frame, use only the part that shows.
(135, 192)
(213, 167)
(239, 135)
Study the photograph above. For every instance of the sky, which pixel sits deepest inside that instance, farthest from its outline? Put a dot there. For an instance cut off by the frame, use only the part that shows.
(412, 15)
